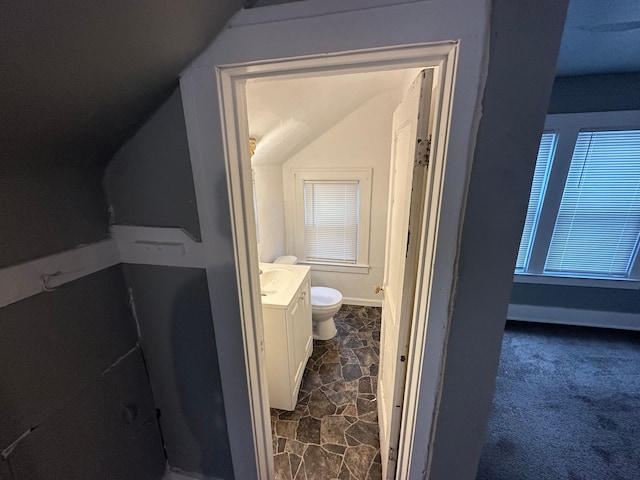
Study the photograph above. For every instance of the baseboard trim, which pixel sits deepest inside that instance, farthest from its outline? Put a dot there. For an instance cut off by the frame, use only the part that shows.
(574, 316)
(170, 475)
(363, 302)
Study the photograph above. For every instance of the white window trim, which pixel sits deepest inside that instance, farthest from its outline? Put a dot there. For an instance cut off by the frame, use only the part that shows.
(295, 197)
(567, 126)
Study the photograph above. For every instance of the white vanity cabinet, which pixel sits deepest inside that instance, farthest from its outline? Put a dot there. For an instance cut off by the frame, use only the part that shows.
(288, 344)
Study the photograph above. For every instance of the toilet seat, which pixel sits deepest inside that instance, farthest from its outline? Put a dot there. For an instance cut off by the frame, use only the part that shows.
(324, 297)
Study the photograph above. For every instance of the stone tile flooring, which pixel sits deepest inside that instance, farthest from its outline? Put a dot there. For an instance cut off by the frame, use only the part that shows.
(333, 432)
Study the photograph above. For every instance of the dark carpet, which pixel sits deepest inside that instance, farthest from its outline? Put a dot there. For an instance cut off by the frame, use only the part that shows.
(566, 406)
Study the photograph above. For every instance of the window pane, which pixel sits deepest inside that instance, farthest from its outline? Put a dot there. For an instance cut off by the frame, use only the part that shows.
(331, 221)
(540, 175)
(598, 223)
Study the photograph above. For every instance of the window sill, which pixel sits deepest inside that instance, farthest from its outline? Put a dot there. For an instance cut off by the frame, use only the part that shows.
(626, 284)
(336, 267)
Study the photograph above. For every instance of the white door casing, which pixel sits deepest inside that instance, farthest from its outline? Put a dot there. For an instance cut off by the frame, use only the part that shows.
(407, 183)
(249, 432)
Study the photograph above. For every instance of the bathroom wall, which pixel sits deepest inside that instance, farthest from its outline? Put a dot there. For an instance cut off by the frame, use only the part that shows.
(270, 200)
(361, 139)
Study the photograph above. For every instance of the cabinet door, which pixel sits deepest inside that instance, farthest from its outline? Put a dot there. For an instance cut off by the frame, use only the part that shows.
(308, 325)
(300, 325)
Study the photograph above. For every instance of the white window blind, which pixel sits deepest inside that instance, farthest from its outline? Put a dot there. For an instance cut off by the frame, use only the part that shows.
(597, 227)
(331, 220)
(540, 176)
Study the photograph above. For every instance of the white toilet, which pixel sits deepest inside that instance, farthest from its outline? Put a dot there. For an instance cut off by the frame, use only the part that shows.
(325, 303)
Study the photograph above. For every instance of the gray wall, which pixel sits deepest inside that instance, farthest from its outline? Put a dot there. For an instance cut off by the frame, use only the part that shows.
(591, 93)
(149, 181)
(525, 37)
(591, 298)
(173, 308)
(47, 208)
(595, 93)
(72, 375)
(89, 416)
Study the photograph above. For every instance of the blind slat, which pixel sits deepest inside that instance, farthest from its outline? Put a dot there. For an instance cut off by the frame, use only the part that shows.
(538, 186)
(331, 221)
(598, 222)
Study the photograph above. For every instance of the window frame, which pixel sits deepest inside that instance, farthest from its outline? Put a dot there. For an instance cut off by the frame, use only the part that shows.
(364, 178)
(567, 126)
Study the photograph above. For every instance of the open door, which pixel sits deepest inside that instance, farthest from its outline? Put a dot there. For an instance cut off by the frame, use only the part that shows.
(407, 184)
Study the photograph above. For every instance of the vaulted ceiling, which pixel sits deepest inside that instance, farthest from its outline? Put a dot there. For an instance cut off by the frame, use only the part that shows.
(78, 77)
(287, 114)
(600, 37)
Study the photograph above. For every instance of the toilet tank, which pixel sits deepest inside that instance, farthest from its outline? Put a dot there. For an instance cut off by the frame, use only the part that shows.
(287, 260)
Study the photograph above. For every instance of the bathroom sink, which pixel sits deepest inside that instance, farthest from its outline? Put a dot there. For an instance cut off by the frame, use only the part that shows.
(275, 281)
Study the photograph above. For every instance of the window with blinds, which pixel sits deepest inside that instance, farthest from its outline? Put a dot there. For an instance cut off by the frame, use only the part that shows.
(538, 186)
(331, 221)
(598, 222)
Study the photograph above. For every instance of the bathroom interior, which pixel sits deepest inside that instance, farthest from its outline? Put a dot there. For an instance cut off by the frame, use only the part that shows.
(312, 139)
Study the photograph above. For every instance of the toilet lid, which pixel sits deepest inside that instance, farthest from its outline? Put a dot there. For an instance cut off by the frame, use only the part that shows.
(325, 296)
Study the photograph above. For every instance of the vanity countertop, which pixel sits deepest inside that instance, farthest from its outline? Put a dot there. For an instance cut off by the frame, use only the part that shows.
(280, 282)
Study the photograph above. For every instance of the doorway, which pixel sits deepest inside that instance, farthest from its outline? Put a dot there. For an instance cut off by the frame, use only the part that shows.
(232, 81)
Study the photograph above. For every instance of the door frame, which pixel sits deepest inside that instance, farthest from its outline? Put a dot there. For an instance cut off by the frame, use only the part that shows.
(419, 395)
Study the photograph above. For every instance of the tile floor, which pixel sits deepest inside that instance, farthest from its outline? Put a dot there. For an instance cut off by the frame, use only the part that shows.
(333, 432)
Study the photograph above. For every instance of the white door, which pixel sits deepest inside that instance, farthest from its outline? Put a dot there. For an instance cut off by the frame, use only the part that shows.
(407, 183)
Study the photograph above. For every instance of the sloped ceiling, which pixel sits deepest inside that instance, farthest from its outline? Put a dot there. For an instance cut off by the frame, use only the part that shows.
(78, 77)
(600, 37)
(285, 114)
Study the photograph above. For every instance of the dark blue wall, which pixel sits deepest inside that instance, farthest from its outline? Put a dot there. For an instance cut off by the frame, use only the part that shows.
(149, 181)
(72, 375)
(596, 93)
(177, 336)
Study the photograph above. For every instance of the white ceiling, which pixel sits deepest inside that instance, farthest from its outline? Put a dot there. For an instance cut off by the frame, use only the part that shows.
(287, 114)
(600, 36)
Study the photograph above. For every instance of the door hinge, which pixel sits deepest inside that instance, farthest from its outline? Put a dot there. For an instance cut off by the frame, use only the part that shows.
(402, 358)
(393, 454)
(423, 152)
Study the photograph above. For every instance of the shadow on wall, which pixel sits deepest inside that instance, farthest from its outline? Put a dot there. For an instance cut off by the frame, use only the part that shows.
(196, 369)
(178, 339)
(197, 379)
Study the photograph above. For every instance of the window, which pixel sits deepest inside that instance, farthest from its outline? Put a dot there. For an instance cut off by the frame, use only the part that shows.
(583, 219)
(331, 224)
(540, 175)
(598, 223)
(331, 221)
